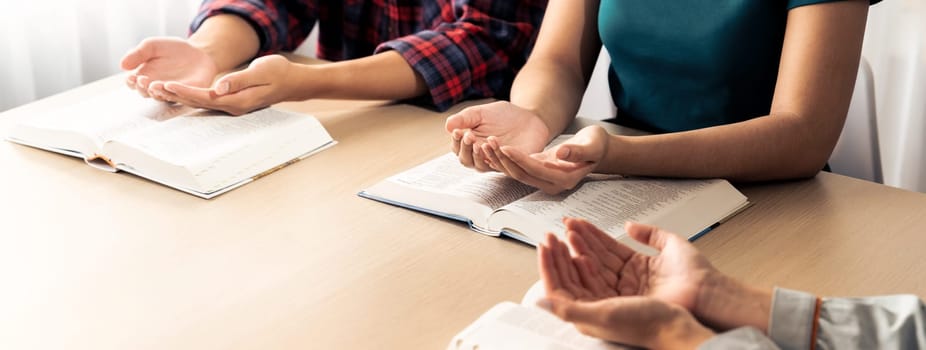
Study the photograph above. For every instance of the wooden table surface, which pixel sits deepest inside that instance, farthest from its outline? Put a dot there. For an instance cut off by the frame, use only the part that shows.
(295, 260)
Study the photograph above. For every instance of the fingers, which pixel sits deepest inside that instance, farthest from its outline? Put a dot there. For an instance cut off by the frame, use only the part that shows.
(468, 118)
(569, 276)
(234, 104)
(588, 240)
(573, 153)
(593, 260)
(587, 146)
(479, 157)
(456, 140)
(549, 274)
(465, 144)
(601, 239)
(506, 156)
(237, 81)
(489, 149)
(577, 312)
(141, 85)
(649, 235)
(593, 280)
(466, 149)
(551, 181)
(157, 92)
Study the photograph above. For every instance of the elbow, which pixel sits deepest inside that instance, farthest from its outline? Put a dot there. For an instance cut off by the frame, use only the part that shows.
(807, 164)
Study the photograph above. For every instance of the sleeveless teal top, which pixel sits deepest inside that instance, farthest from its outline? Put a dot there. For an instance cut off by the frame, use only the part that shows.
(680, 65)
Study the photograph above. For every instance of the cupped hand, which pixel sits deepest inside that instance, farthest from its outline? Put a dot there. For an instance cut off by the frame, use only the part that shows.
(600, 267)
(507, 123)
(266, 81)
(634, 320)
(556, 169)
(158, 60)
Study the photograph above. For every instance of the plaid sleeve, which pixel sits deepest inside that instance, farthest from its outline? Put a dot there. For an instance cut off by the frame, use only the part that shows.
(474, 51)
(280, 24)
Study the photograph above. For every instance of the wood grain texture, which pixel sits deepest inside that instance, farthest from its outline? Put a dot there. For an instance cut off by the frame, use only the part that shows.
(93, 260)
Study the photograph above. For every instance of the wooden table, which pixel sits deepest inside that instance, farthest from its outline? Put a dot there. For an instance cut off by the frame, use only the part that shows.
(93, 260)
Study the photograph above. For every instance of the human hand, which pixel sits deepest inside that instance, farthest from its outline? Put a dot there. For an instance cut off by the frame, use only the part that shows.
(507, 123)
(554, 170)
(266, 81)
(634, 320)
(158, 60)
(601, 267)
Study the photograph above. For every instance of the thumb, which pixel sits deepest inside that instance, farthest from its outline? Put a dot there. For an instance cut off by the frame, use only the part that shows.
(142, 53)
(237, 81)
(569, 310)
(649, 235)
(575, 153)
(468, 118)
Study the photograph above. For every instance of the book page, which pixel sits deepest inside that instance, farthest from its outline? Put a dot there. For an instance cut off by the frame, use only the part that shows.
(217, 149)
(446, 175)
(512, 326)
(444, 187)
(109, 115)
(606, 203)
(81, 129)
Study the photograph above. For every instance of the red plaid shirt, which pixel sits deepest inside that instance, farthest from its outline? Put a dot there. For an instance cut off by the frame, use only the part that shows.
(462, 48)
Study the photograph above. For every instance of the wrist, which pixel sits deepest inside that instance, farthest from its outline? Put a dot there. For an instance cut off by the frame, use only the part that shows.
(228, 40)
(207, 48)
(538, 117)
(304, 81)
(726, 303)
(611, 160)
(684, 332)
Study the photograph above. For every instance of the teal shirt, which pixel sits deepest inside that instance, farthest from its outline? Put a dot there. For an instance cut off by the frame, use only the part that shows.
(680, 65)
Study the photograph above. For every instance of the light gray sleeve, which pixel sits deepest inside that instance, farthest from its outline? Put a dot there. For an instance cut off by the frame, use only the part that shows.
(884, 322)
(746, 338)
(792, 320)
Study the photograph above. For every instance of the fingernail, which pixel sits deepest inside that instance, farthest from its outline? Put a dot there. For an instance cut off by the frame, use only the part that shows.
(223, 88)
(546, 304)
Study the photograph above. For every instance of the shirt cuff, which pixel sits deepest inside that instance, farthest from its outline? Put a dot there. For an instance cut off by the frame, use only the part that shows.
(268, 31)
(439, 61)
(745, 338)
(792, 320)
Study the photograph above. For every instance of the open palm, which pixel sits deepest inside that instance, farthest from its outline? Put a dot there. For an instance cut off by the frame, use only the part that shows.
(600, 267)
(160, 60)
(508, 124)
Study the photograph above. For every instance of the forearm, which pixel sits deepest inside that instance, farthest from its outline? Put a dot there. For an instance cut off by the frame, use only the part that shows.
(551, 90)
(553, 80)
(228, 39)
(766, 148)
(384, 76)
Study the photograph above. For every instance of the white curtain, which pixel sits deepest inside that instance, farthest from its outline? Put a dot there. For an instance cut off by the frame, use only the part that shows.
(895, 45)
(50, 46)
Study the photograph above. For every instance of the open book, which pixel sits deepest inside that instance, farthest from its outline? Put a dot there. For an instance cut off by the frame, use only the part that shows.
(200, 152)
(497, 205)
(524, 326)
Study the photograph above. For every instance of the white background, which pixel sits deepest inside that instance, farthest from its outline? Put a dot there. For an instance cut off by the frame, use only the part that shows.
(49, 46)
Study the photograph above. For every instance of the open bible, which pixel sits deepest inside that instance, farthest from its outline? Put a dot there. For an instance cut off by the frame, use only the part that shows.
(204, 153)
(494, 204)
(517, 326)
(508, 325)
